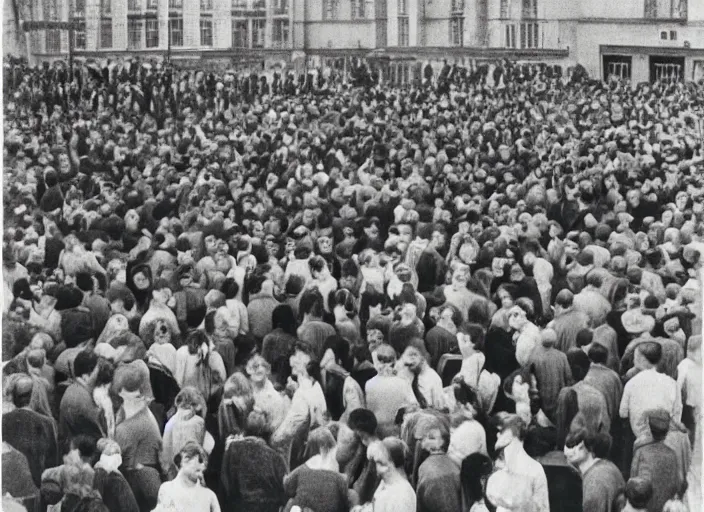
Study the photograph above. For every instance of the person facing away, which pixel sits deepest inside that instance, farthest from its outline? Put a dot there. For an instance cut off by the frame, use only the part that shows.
(438, 487)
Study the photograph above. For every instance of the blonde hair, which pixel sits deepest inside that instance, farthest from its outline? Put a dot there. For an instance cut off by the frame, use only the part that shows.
(108, 446)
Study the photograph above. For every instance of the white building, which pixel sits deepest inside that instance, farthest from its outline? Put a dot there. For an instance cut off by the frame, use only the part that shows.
(639, 39)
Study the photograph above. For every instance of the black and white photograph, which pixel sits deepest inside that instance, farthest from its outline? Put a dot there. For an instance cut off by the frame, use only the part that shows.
(352, 255)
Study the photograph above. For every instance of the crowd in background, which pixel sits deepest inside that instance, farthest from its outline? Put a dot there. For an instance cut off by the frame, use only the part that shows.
(479, 292)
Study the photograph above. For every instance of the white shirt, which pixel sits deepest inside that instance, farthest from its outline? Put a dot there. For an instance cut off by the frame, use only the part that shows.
(397, 497)
(646, 391)
(176, 497)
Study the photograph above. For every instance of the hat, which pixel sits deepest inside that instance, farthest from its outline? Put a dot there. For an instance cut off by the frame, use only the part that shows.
(659, 419)
(635, 322)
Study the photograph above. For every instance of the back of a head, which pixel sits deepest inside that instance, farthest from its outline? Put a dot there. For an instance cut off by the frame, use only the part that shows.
(579, 363)
(257, 424)
(320, 442)
(564, 299)
(584, 337)
(363, 420)
(638, 492)
(651, 351)
(86, 446)
(548, 338)
(22, 391)
(598, 354)
(659, 423)
(283, 318)
(85, 363)
(397, 450)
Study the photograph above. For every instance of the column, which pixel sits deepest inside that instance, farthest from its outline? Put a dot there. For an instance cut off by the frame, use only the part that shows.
(64, 9)
(269, 27)
(119, 25)
(162, 14)
(413, 22)
(222, 24)
(392, 23)
(92, 25)
(191, 23)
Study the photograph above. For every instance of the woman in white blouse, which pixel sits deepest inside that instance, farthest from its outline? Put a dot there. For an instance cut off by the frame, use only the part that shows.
(395, 493)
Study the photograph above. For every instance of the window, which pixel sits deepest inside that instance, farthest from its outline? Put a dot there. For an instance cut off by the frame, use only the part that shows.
(651, 8)
(510, 36)
(673, 35)
(176, 31)
(258, 28)
(175, 4)
(239, 4)
(152, 4)
(259, 5)
(106, 7)
(505, 9)
(240, 36)
(403, 7)
(134, 34)
(106, 33)
(280, 35)
(280, 7)
(152, 30)
(134, 5)
(530, 9)
(620, 70)
(458, 6)
(663, 35)
(206, 32)
(358, 9)
(529, 35)
(79, 9)
(53, 41)
(330, 9)
(403, 31)
(206, 5)
(79, 35)
(456, 30)
(668, 71)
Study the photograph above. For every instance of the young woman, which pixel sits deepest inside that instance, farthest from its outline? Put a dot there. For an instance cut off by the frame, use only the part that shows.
(109, 482)
(237, 403)
(394, 493)
(198, 365)
(266, 397)
(318, 484)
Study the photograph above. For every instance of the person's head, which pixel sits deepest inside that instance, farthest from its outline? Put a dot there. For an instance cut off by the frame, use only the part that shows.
(191, 461)
(336, 350)
(189, 398)
(303, 363)
(647, 355)
(312, 303)
(579, 363)
(694, 347)
(22, 391)
(321, 442)
(582, 446)
(364, 424)
(520, 314)
(283, 318)
(598, 354)
(230, 288)
(505, 296)
(238, 391)
(130, 385)
(584, 338)
(659, 423)
(437, 438)
(639, 490)
(415, 357)
(474, 473)
(467, 399)
(195, 340)
(563, 301)
(389, 456)
(84, 447)
(85, 365)
(470, 339)
(257, 424)
(258, 369)
(110, 454)
(517, 385)
(512, 429)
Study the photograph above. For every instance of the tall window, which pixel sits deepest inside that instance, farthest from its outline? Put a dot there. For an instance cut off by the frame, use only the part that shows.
(79, 9)
(281, 34)
(458, 6)
(280, 7)
(53, 41)
(403, 7)
(505, 9)
(651, 8)
(510, 36)
(258, 29)
(134, 5)
(175, 4)
(529, 35)
(106, 33)
(152, 33)
(206, 5)
(358, 9)
(106, 7)
(206, 32)
(530, 9)
(240, 35)
(176, 31)
(134, 33)
(79, 35)
(152, 4)
(456, 30)
(403, 31)
(239, 5)
(330, 9)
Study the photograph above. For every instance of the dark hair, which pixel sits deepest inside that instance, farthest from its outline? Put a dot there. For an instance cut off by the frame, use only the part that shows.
(596, 443)
(230, 288)
(255, 283)
(86, 446)
(84, 281)
(598, 354)
(639, 491)
(209, 322)
(363, 420)
(190, 451)
(474, 467)
(579, 363)
(477, 334)
(594, 279)
(651, 350)
(340, 348)
(345, 299)
(311, 303)
(283, 318)
(85, 363)
(584, 337)
(397, 450)
(22, 391)
(106, 372)
(479, 313)
(464, 394)
(316, 264)
(525, 375)
(257, 424)
(194, 340)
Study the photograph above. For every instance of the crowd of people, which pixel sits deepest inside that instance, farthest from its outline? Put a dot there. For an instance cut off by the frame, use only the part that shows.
(479, 292)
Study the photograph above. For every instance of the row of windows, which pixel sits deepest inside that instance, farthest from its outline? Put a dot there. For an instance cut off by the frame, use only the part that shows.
(529, 9)
(528, 33)
(279, 7)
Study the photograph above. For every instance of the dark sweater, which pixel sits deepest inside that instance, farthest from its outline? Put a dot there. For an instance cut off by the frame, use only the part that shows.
(601, 484)
(78, 414)
(33, 435)
(318, 489)
(658, 463)
(440, 341)
(438, 488)
(252, 477)
(116, 492)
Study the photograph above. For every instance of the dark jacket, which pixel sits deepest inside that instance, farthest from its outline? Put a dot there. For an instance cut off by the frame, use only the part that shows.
(34, 435)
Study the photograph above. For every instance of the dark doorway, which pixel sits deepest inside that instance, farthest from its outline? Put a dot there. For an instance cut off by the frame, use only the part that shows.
(666, 68)
(617, 66)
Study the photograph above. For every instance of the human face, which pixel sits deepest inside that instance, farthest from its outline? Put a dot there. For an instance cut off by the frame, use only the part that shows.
(405, 234)
(256, 369)
(506, 299)
(516, 318)
(413, 359)
(141, 281)
(162, 333)
(328, 359)
(576, 454)
(374, 336)
(299, 363)
(192, 468)
(504, 439)
(464, 341)
(211, 244)
(681, 201)
(433, 442)
(383, 464)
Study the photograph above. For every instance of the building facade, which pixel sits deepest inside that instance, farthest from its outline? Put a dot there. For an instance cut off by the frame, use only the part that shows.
(637, 39)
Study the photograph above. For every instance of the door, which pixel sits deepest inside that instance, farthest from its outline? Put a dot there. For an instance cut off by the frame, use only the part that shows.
(617, 66)
(666, 68)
